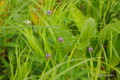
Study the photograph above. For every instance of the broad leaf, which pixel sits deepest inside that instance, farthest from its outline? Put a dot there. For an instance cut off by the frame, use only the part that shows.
(88, 29)
(112, 28)
(115, 60)
(78, 17)
(83, 45)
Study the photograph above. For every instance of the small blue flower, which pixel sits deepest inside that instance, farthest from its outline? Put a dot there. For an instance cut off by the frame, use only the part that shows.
(90, 49)
(47, 55)
(60, 39)
(49, 12)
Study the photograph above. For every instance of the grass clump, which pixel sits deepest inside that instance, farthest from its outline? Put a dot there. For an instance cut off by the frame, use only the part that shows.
(59, 40)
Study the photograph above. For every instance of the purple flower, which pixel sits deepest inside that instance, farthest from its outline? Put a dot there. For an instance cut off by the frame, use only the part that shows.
(60, 39)
(49, 12)
(90, 49)
(47, 55)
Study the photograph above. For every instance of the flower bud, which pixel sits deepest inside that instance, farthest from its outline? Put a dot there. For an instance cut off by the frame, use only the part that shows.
(90, 49)
(49, 12)
(27, 22)
(60, 39)
(47, 55)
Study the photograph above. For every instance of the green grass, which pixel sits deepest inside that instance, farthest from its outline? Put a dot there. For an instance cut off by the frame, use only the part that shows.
(81, 23)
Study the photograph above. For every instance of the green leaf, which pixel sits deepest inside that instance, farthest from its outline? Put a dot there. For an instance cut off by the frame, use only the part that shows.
(78, 17)
(93, 10)
(118, 75)
(1, 41)
(115, 60)
(11, 44)
(117, 45)
(72, 72)
(35, 58)
(83, 45)
(88, 29)
(2, 77)
(1, 51)
(6, 64)
(113, 28)
(21, 43)
(89, 11)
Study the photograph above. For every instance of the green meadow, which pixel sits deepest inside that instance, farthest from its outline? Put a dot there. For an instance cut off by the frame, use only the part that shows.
(59, 39)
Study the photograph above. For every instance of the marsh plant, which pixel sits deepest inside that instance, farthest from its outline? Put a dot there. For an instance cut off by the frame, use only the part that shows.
(59, 40)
